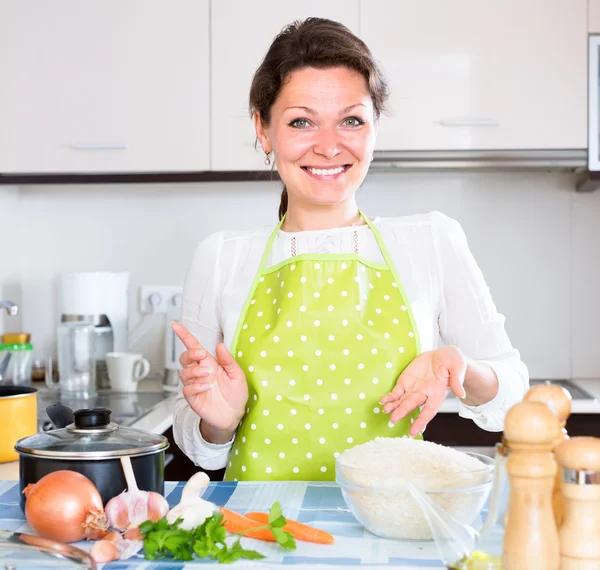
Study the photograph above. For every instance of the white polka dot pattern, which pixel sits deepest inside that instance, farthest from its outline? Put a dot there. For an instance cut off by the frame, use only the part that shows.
(338, 336)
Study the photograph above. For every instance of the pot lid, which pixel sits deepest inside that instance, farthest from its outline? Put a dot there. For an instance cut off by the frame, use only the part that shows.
(19, 550)
(91, 436)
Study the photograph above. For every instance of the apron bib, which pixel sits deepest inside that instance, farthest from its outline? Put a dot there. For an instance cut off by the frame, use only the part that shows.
(321, 338)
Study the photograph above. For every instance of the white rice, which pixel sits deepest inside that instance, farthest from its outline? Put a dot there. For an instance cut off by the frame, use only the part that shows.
(376, 472)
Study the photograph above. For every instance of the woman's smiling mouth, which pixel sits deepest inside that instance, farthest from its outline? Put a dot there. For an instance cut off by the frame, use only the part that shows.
(326, 173)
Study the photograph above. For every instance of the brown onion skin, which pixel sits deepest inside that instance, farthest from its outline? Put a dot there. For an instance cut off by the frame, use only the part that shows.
(64, 506)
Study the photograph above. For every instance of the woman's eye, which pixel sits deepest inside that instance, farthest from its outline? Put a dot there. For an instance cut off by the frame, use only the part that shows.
(353, 122)
(299, 123)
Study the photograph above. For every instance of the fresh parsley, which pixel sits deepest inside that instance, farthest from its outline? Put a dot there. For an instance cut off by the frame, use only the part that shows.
(167, 541)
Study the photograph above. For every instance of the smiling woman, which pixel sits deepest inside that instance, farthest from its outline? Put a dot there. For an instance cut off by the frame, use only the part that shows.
(323, 333)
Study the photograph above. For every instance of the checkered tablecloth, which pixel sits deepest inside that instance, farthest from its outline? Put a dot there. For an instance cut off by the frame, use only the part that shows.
(320, 504)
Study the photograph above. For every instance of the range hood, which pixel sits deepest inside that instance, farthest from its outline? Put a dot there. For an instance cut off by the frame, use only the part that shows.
(570, 160)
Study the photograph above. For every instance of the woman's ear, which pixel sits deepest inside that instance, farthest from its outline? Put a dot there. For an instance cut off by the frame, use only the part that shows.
(261, 133)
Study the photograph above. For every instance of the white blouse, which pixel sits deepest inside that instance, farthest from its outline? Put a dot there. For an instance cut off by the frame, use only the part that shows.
(450, 300)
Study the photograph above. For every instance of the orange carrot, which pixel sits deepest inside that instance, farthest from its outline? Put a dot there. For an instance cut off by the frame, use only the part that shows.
(298, 530)
(234, 522)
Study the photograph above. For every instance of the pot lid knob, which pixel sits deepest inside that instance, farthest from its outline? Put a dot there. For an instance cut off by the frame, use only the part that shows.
(92, 418)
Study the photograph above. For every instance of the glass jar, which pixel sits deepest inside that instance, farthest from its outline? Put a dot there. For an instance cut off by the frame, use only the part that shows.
(16, 361)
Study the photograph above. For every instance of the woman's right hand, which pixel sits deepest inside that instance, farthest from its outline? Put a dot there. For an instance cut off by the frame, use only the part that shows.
(215, 388)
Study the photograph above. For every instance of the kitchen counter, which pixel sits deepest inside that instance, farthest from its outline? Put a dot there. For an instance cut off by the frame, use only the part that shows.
(319, 504)
(578, 406)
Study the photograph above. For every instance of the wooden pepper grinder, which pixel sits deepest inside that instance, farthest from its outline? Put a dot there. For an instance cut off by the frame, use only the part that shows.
(531, 537)
(579, 460)
(558, 399)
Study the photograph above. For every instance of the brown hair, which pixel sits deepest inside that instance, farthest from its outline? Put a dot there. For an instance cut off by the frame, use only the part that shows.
(314, 42)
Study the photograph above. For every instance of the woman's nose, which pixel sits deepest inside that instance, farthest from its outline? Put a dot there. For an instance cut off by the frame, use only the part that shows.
(327, 144)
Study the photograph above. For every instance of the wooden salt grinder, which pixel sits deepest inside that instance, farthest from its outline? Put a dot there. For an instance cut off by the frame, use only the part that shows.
(579, 460)
(531, 537)
(559, 401)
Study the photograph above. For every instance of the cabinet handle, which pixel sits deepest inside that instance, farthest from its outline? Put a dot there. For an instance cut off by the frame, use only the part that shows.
(99, 146)
(466, 122)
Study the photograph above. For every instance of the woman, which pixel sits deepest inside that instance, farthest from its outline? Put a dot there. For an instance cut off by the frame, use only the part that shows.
(332, 320)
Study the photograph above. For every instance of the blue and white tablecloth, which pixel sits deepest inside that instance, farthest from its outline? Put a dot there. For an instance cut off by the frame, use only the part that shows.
(319, 504)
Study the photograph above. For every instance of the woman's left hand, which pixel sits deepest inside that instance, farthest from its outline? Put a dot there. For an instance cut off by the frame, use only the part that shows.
(425, 382)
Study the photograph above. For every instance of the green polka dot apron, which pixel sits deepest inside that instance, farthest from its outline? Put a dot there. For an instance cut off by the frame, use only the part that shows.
(321, 338)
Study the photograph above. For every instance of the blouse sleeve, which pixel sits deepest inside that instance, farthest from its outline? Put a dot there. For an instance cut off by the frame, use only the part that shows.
(469, 320)
(200, 315)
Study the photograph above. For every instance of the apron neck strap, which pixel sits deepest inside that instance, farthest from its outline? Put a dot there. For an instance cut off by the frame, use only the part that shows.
(273, 235)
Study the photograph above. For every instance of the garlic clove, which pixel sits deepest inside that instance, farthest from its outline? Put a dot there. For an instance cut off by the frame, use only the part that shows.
(117, 512)
(158, 506)
(105, 551)
(137, 508)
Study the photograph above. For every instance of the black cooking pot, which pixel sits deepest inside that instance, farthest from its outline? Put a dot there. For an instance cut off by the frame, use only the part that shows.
(89, 443)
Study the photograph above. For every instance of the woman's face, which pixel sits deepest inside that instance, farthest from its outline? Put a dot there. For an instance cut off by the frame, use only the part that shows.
(322, 133)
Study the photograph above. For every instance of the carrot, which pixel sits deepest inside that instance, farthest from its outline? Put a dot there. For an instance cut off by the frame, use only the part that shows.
(297, 529)
(234, 522)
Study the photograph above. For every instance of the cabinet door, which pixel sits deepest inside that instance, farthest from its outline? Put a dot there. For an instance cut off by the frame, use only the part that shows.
(468, 74)
(594, 16)
(103, 86)
(241, 33)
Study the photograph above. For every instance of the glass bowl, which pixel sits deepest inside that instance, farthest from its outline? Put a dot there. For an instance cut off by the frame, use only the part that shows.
(385, 507)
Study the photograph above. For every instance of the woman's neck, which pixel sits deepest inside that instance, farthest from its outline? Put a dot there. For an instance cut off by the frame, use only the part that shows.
(301, 218)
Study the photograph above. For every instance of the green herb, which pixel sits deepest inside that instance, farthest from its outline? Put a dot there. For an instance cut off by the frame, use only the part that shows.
(167, 541)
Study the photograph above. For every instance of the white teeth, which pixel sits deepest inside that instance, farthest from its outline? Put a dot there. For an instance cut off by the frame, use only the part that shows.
(330, 172)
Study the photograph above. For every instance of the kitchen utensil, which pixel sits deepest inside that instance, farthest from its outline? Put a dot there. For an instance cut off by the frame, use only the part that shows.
(19, 550)
(579, 459)
(92, 445)
(18, 418)
(125, 370)
(531, 537)
(558, 399)
(76, 360)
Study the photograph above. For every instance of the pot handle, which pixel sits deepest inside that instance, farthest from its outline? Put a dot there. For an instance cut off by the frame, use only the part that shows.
(60, 415)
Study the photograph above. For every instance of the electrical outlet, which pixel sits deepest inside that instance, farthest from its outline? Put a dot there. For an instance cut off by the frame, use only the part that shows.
(166, 294)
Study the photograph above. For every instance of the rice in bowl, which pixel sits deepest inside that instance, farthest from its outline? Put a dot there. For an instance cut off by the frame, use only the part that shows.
(372, 477)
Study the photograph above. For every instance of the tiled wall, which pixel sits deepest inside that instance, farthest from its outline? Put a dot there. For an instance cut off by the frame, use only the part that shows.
(534, 238)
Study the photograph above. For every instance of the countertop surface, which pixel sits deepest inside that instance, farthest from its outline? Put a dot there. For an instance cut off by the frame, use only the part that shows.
(318, 504)
(589, 385)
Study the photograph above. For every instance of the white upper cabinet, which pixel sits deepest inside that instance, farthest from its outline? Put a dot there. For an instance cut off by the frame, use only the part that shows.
(473, 74)
(241, 33)
(104, 86)
(594, 16)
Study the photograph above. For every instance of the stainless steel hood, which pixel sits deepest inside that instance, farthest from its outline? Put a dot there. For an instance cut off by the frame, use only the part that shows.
(566, 160)
(571, 160)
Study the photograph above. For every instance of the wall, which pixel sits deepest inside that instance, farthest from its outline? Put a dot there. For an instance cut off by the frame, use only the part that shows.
(533, 237)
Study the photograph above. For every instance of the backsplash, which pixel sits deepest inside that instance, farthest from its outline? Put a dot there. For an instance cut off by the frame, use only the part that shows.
(532, 235)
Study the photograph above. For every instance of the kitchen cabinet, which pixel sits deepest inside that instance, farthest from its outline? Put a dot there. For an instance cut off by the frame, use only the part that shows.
(241, 33)
(594, 16)
(104, 86)
(469, 75)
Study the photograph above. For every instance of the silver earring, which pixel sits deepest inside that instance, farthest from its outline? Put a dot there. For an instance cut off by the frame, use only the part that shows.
(268, 158)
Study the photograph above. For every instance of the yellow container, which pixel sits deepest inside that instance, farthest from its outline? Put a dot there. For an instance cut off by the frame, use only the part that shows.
(18, 418)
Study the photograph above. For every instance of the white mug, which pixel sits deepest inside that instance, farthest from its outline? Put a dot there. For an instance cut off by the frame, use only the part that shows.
(125, 369)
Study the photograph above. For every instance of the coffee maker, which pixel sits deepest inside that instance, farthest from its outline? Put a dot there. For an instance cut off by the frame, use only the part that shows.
(102, 299)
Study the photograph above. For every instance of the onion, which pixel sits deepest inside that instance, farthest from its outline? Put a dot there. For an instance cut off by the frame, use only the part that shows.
(65, 506)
